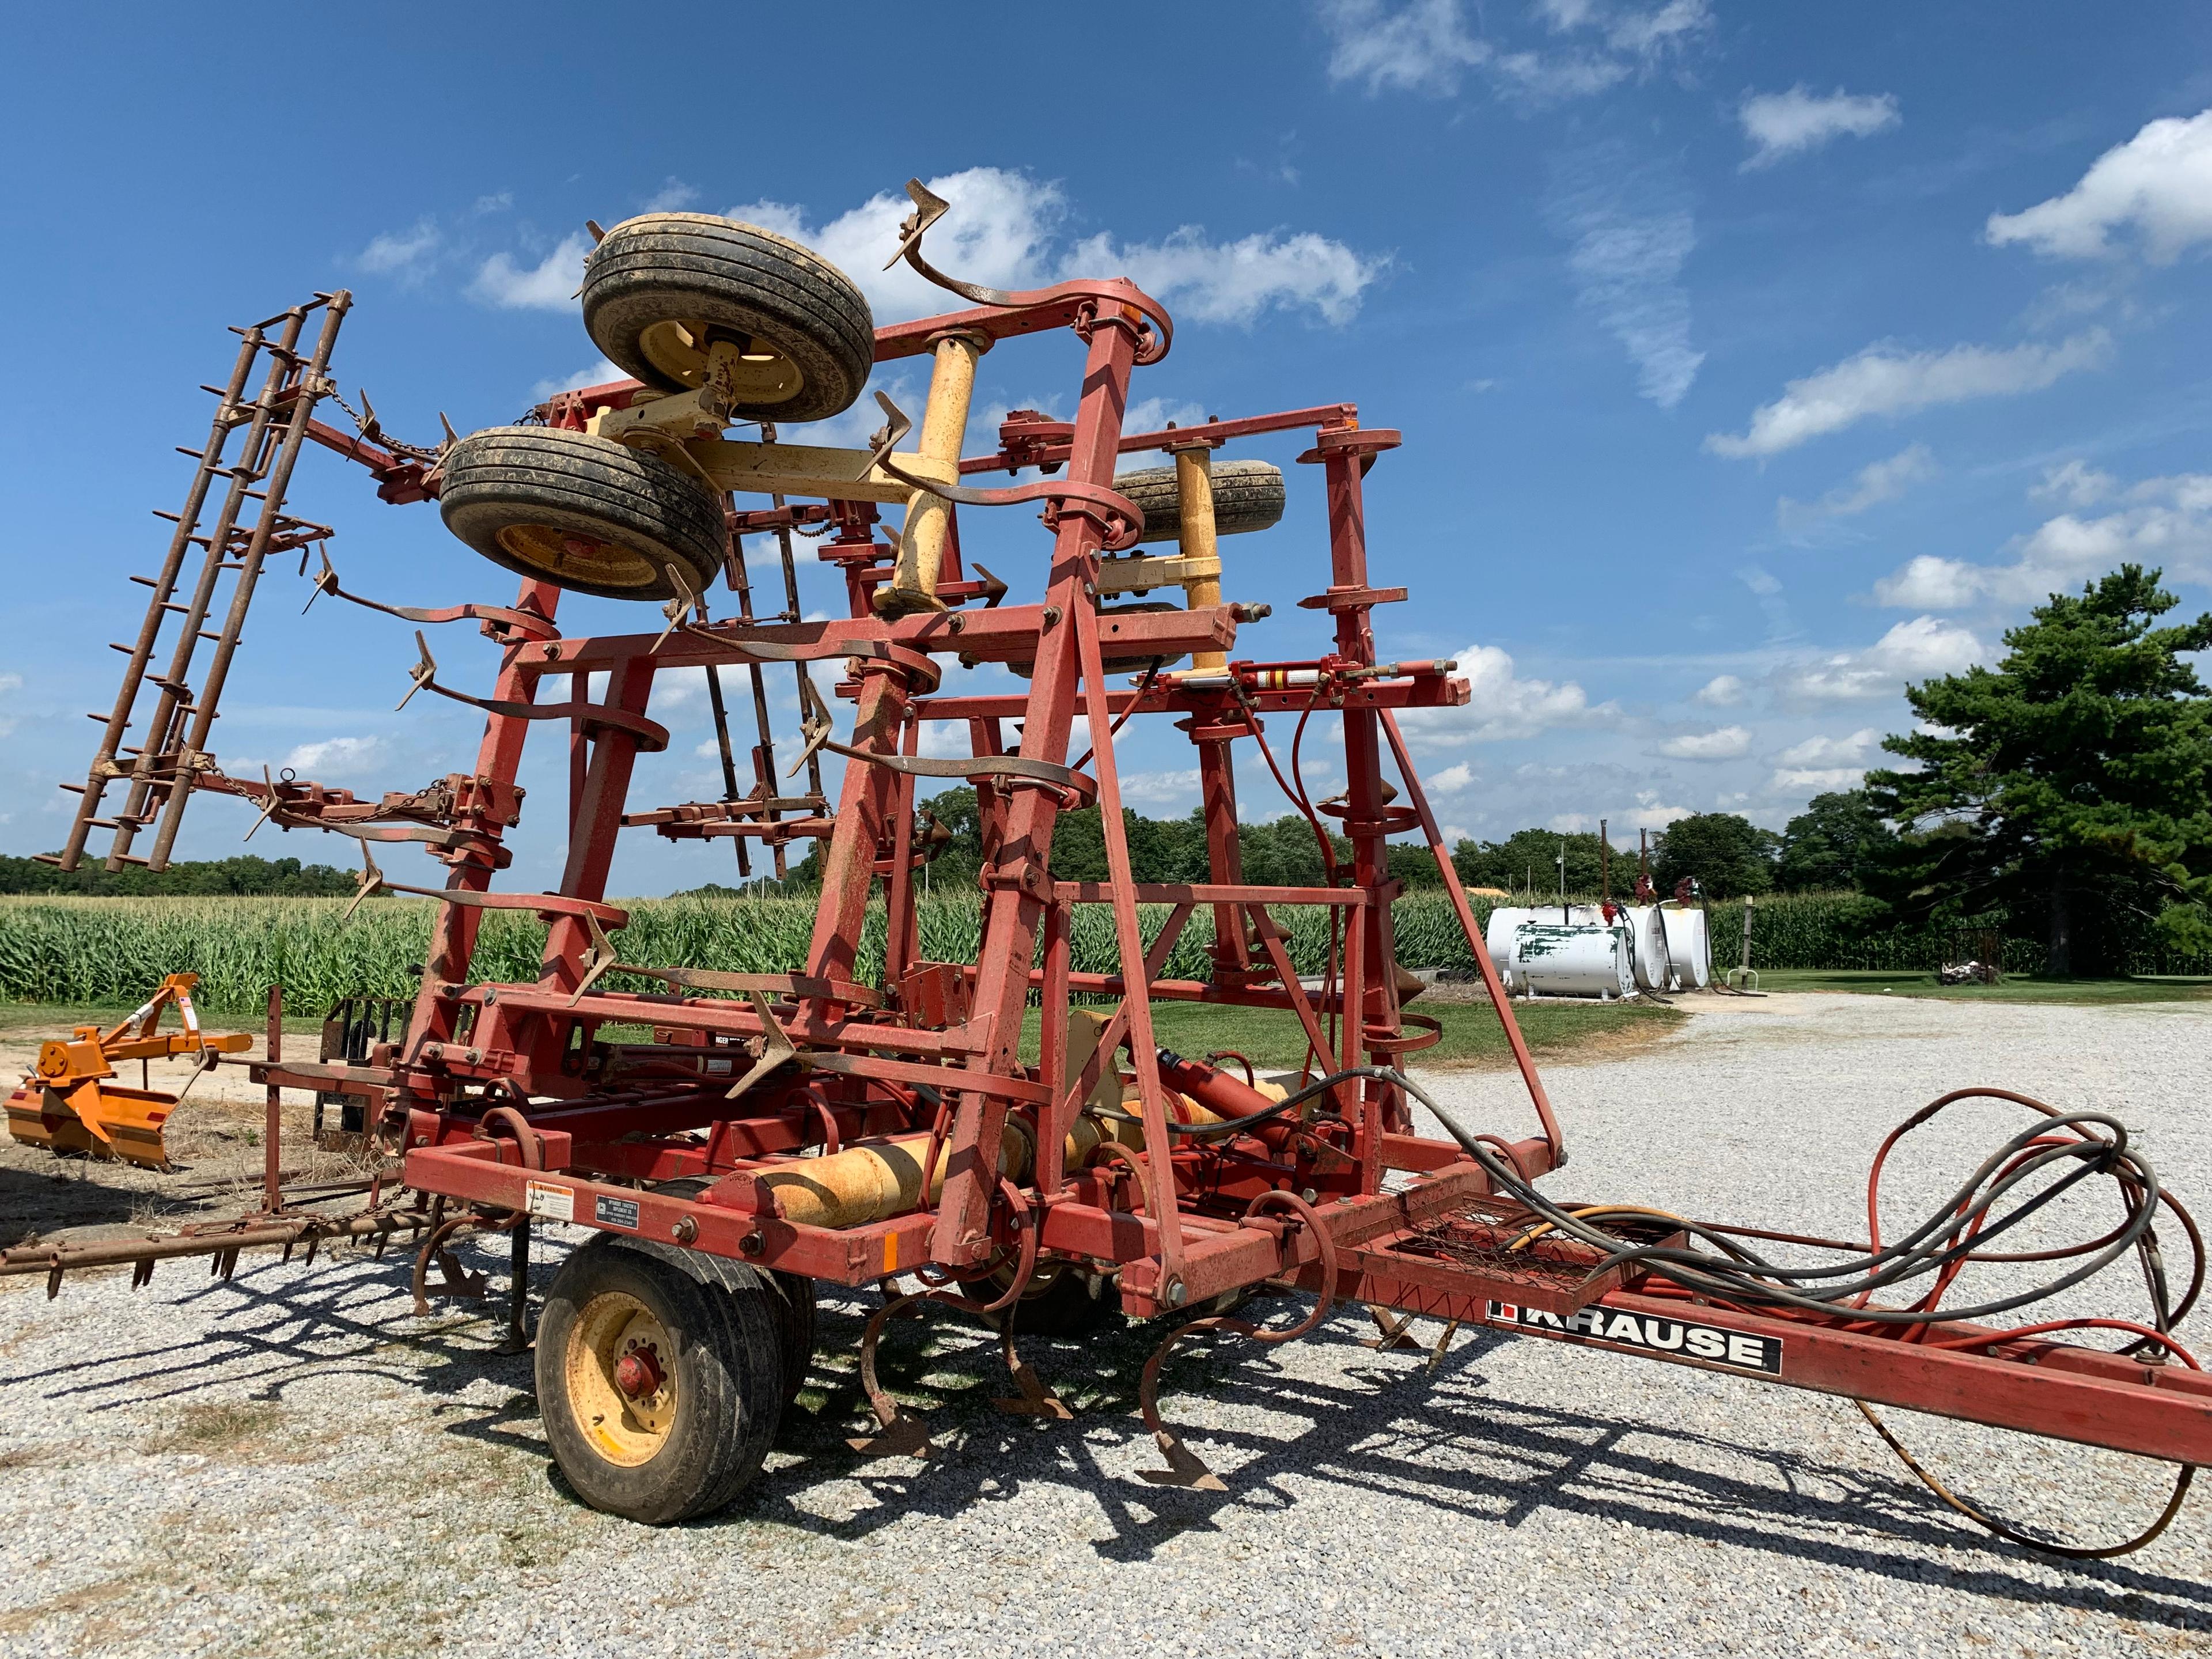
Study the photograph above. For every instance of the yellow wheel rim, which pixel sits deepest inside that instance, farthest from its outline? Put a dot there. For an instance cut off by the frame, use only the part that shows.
(573, 554)
(678, 350)
(623, 1429)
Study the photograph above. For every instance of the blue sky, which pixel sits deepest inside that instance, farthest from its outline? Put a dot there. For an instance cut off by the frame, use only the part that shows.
(1752, 360)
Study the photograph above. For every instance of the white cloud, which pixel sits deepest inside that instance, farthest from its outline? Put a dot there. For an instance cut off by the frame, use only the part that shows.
(1924, 645)
(1885, 381)
(1723, 743)
(1633, 234)
(1235, 282)
(1151, 415)
(548, 285)
(1425, 47)
(9, 684)
(673, 196)
(1819, 781)
(2077, 483)
(1501, 707)
(2158, 184)
(2166, 522)
(598, 373)
(1919, 649)
(1164, 788)
(1646, 34)
(1784, 123)
(338, 758)
(1452, 779)
(1873, 484)
(946, 740)
(400, 252)
(1721, 691)
(1827, 751)
(679, 689)
(1650, 812)
(1421, 48)
(1003, 230)
(1928, 583)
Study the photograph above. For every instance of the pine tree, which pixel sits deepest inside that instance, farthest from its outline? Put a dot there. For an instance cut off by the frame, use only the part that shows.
(2075, 775)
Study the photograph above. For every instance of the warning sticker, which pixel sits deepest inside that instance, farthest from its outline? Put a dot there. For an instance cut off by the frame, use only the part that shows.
(615, 1212)
(553, 1202)
(1649, 1333)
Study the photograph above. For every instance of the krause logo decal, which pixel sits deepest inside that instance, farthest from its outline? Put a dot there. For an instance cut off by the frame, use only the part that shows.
(1649, 1333)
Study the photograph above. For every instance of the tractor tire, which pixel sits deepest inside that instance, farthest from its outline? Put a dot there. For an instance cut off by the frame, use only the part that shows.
(682, 1432)
(794, 1310)
(1247, 496)
(584, 514)
(790, 1296)
(658, 284)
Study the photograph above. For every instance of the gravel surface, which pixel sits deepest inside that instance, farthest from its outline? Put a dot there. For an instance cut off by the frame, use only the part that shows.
(291, 1463)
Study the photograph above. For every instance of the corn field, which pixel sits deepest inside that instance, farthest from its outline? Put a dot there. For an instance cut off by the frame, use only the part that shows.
(107, 951)
(112, 952)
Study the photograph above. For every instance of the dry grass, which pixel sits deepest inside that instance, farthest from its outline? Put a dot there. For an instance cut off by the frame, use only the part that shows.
(220, 1426)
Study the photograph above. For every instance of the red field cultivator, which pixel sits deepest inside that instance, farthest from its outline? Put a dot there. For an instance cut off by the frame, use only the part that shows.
(735, 1139)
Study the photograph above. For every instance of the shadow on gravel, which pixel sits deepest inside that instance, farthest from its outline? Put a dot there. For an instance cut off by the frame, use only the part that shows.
(57, 1195)
(1382, 1425)
(1386, 1427)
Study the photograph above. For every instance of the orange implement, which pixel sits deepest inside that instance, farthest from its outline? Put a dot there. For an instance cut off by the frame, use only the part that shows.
(71, 1102)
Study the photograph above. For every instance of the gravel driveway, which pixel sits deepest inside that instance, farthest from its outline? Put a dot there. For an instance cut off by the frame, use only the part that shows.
(291, 1463)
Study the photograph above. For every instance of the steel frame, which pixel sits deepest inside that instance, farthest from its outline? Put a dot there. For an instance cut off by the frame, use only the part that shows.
(506, 1097)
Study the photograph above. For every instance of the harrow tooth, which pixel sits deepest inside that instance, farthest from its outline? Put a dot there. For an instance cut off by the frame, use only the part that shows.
(1185, 1468)
(1443, 1346)
(1393, 1334)
(455, 1280)
(904, 1435)
(1035, 1399)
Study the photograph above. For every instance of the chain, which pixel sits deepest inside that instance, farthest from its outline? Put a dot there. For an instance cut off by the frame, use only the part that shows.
(373, 430)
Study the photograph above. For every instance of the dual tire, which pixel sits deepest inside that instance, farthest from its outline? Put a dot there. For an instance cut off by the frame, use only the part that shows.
(597, 517)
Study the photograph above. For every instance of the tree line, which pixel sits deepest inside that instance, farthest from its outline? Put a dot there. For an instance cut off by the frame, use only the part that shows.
(2063, 796)
(245, 877)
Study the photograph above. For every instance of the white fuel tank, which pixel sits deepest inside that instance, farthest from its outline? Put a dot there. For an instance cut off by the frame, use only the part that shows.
(1688, 947)
(1497, 939)
(1647, 929)
(1573, 959)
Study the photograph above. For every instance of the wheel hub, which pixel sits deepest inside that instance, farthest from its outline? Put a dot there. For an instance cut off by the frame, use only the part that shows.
(638, 1373)
(562, 552)
(764, 376)
(618, 1369)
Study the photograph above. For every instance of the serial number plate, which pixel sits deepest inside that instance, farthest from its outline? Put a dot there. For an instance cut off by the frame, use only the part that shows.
(615, 1212)
(1651, 1334)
